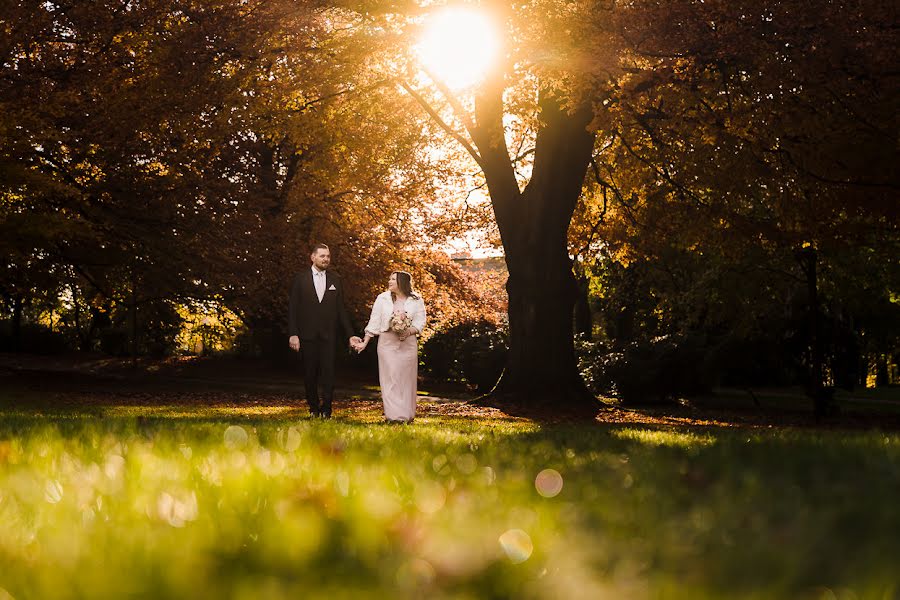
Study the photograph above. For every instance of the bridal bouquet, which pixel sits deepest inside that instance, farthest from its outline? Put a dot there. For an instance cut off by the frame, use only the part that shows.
(400, 321)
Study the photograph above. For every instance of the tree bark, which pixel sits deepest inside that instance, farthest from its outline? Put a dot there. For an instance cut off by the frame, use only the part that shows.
(821, 395)
(882, 375)
(534, 226)
(542, 365)
(132, 310)
(17, 323)
(584, 324)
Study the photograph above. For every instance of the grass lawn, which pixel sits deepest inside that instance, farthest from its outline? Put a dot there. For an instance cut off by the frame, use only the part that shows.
(178, 498)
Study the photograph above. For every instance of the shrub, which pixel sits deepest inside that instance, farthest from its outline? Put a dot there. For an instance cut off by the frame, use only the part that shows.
(652, 371)
(34, 338)
(115, 341)
(758, 362)
(473, 352)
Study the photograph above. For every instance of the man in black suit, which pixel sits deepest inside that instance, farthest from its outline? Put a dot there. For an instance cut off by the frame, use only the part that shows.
(316, 309)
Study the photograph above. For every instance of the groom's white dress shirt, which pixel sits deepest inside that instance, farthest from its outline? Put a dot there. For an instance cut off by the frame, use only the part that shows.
(319, 282)
(383, 308)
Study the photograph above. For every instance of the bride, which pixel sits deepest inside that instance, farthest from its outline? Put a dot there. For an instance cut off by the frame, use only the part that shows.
(398, 317)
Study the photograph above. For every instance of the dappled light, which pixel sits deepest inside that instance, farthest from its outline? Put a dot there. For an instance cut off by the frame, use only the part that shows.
(209, 412)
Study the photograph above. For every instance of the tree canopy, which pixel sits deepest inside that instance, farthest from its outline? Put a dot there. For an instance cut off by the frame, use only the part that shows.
(706, 162)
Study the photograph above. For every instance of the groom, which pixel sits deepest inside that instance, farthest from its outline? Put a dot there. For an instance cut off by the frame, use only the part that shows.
(316, 309)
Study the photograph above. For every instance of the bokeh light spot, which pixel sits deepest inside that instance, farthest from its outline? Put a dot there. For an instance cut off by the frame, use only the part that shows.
(235, 437)
(517, 545)
(466, 464)
(548, 483)
(439, 464)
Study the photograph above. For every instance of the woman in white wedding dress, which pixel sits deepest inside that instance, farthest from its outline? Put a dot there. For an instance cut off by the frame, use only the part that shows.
(398, 316)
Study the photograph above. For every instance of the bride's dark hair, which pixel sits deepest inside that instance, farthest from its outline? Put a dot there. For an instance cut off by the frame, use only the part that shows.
(404, 282)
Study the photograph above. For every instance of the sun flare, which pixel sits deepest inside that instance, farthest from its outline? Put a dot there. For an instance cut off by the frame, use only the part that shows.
(458, 46)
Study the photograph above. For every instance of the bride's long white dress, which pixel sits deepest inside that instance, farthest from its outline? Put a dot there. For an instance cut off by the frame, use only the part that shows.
(398, 365)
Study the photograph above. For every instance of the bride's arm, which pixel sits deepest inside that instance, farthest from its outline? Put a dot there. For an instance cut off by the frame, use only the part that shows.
(373, 327)
(418, 316)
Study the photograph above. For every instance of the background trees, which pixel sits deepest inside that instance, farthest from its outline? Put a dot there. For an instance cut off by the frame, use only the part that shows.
(707, 171)
(750, 162)
(160, 153)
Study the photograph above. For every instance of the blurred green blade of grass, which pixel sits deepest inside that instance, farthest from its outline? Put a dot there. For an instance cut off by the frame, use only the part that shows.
(176, 501)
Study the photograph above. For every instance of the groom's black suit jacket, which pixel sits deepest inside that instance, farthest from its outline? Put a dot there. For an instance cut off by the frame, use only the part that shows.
(310, 319)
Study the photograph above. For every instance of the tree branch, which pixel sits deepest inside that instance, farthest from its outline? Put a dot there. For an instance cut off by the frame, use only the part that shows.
(451, 98)
(443, 124)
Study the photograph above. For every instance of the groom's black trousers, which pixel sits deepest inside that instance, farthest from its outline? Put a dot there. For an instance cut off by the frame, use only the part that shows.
(318, 368)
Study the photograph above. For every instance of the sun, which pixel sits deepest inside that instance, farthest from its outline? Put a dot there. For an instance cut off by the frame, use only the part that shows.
(458, 46)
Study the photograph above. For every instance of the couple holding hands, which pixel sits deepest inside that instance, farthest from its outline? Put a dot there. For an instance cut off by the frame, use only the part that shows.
(398, 316)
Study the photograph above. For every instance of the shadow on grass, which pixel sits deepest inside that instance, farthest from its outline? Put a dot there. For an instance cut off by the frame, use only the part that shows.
(230, 390)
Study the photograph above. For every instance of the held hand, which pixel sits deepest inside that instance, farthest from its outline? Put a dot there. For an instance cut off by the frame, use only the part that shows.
(294, 343)
(355, 341)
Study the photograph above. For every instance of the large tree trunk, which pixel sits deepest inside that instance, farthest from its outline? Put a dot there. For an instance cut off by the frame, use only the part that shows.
(534, 226)
(542, 292)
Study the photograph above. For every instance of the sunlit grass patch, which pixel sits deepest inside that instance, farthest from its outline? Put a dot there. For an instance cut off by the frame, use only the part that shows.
(663, 437)
(207, 412)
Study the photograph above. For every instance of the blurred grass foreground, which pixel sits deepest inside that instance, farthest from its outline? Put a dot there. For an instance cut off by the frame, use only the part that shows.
(142, 503)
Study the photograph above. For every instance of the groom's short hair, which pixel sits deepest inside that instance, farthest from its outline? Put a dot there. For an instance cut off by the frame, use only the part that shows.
(318, 247)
